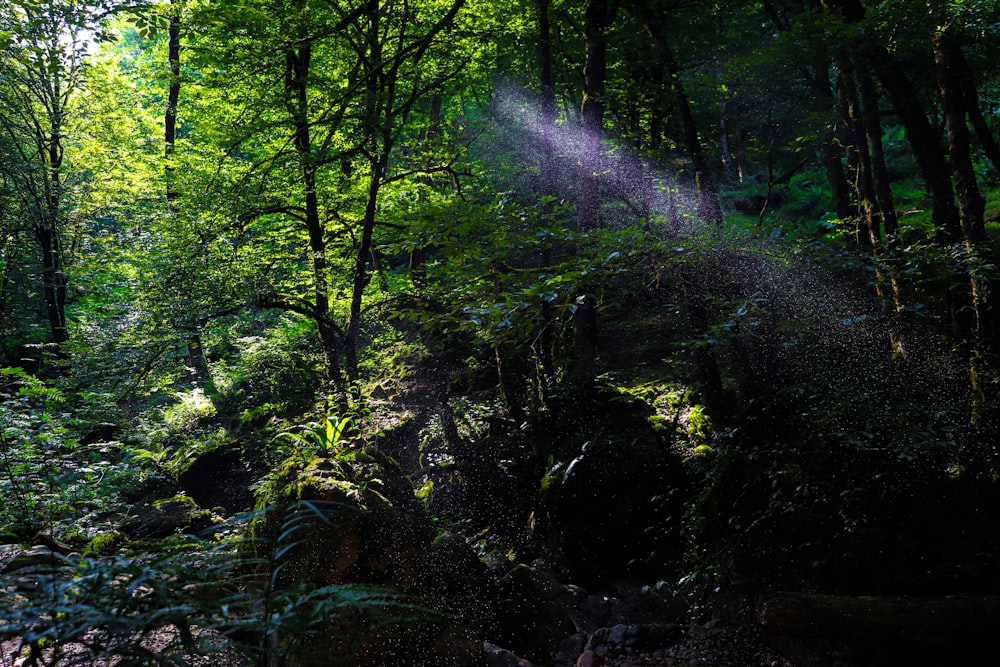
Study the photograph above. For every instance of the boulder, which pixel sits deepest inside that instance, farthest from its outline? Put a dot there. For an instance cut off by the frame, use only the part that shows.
(166, 517)
(219, 478)
(351, 518)
(610, 505)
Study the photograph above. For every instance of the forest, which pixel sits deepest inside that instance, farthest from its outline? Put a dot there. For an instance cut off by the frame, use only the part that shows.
(499, 333)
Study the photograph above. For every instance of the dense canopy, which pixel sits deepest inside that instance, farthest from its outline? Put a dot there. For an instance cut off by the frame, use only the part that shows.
(696, 296)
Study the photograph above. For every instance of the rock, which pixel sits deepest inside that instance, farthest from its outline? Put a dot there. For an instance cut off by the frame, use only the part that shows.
(622, 634)
(356, 521)
(606, 509)
(219, 478)
(150, 489)
(37, 558)
(166, 517)
(533, 621)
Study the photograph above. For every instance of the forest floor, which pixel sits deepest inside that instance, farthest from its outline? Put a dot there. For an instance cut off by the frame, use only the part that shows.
(701, 646)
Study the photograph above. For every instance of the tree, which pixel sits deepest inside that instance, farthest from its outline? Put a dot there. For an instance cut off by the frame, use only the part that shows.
(598, 17)
(44, 67)
(907, 105)
(655, 20)
(327, 95)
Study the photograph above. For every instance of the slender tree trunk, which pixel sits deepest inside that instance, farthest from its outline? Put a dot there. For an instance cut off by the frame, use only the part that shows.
(53, 280)
(173, 99)
(864, 185)
(971, 204)
(597, 18)
(196, 351)
(297, 63)
(380, 101)
(839, 186)
(7, 263)
(361, 275)
(709, 208)
(49, 232)
(727, 156)
(880, 171)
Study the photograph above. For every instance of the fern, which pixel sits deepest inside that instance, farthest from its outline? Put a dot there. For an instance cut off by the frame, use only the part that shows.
(197, 596)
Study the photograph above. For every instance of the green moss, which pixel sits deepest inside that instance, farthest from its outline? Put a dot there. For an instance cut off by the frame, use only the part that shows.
(547, 482)
(179, 499)
(102, 545)
(659, 423)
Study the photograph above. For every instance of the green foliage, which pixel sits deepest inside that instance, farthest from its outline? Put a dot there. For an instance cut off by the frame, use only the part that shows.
(102, 544)
(49, 479)
(274, 374)
(323, 438)
(182, 431)
(194, 597)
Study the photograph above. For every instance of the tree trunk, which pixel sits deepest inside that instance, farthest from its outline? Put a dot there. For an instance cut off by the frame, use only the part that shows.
(921, 135)
(971, 204)
(880, 172)
(597, 18)
(869, 230)
(49, 232)
(585, 338)
(709, 208)
(379, 110)
(361, 276)
(196, 352)
(53, 279)
(297, 62)
(173, 98)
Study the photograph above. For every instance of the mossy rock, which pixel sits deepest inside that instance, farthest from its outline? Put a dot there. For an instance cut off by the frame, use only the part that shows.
(611, 503)
(165, 517)
(103, 544)
(352, 519)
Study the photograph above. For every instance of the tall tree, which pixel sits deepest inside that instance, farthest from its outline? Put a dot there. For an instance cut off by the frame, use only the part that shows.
(954, 100)
(655, 20)
(391, 51)
(598, 17)
(44, 65)
(173, 96)
(327, 96)
(906, 102)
